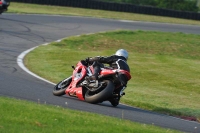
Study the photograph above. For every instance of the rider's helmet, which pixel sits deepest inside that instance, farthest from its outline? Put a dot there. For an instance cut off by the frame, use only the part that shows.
(122, 52)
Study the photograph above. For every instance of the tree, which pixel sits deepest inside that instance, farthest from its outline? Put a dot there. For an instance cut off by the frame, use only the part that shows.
(182, 5)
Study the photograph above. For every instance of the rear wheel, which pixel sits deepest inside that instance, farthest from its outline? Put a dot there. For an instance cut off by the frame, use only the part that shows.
(114, 101)
(102, 94)
(60, 88)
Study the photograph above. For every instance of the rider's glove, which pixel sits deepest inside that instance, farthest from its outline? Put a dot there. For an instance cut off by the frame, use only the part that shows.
(88, 60)
(97, 58)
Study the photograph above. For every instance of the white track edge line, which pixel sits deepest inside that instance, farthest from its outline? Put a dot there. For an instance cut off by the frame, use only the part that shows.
(20, 58)
(21, 64)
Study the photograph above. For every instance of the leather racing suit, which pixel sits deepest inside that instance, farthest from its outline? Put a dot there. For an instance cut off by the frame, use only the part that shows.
(114, 61)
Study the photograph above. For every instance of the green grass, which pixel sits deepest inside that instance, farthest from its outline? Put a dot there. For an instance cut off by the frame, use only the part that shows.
(19, 116)
(164, 66)
(45, 9)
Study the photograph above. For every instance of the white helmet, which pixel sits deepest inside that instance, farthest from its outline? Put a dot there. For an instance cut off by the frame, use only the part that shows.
(122, 52)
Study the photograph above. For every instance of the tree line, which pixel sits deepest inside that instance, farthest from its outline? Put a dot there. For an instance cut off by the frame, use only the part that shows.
(181, 5)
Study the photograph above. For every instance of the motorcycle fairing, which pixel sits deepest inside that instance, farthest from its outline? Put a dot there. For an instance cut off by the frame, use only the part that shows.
(110, 72)
(107, 72)
(76, 92)
(128, 75)
(78, 74)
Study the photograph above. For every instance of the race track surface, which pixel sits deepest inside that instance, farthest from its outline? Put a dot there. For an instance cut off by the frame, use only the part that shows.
(21, 32)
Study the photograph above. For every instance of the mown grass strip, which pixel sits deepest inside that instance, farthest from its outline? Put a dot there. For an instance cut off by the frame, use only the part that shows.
(19, 116)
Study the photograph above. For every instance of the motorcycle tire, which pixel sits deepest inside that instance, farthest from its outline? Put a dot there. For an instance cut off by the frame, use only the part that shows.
(60, 88)
(114, 101)
(102, 95)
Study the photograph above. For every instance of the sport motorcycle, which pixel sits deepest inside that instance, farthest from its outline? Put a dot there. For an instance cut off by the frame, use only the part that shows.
(4, 5)
(109, 86)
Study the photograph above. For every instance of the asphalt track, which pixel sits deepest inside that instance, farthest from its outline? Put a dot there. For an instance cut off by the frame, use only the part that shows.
(21, 32)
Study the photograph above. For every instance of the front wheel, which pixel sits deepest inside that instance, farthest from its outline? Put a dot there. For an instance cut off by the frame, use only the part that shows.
(60, 88)
(103, 94)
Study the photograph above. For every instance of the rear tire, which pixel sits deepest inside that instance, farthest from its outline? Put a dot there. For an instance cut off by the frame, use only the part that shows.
(60, 88)
(114, 101)
(104, 94)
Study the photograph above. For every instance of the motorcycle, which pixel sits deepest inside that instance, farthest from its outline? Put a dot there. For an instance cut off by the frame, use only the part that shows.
(109, 87)
(4, 5)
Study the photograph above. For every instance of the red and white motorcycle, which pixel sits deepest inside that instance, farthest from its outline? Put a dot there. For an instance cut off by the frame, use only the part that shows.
(110, 85)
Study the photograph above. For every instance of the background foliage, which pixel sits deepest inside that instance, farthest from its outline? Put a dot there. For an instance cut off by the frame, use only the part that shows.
(182, 5)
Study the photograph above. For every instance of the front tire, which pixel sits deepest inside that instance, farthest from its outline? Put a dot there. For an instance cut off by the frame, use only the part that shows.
(104, 94)
(60, 88)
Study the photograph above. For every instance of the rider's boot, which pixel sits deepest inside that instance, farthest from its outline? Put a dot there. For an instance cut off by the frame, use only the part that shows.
(93, 82)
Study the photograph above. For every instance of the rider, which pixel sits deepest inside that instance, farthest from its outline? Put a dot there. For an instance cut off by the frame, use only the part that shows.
(116, 61)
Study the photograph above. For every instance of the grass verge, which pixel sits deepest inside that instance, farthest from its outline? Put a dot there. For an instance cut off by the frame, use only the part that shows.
(21, 116)
(164, 66)
(45, 9)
